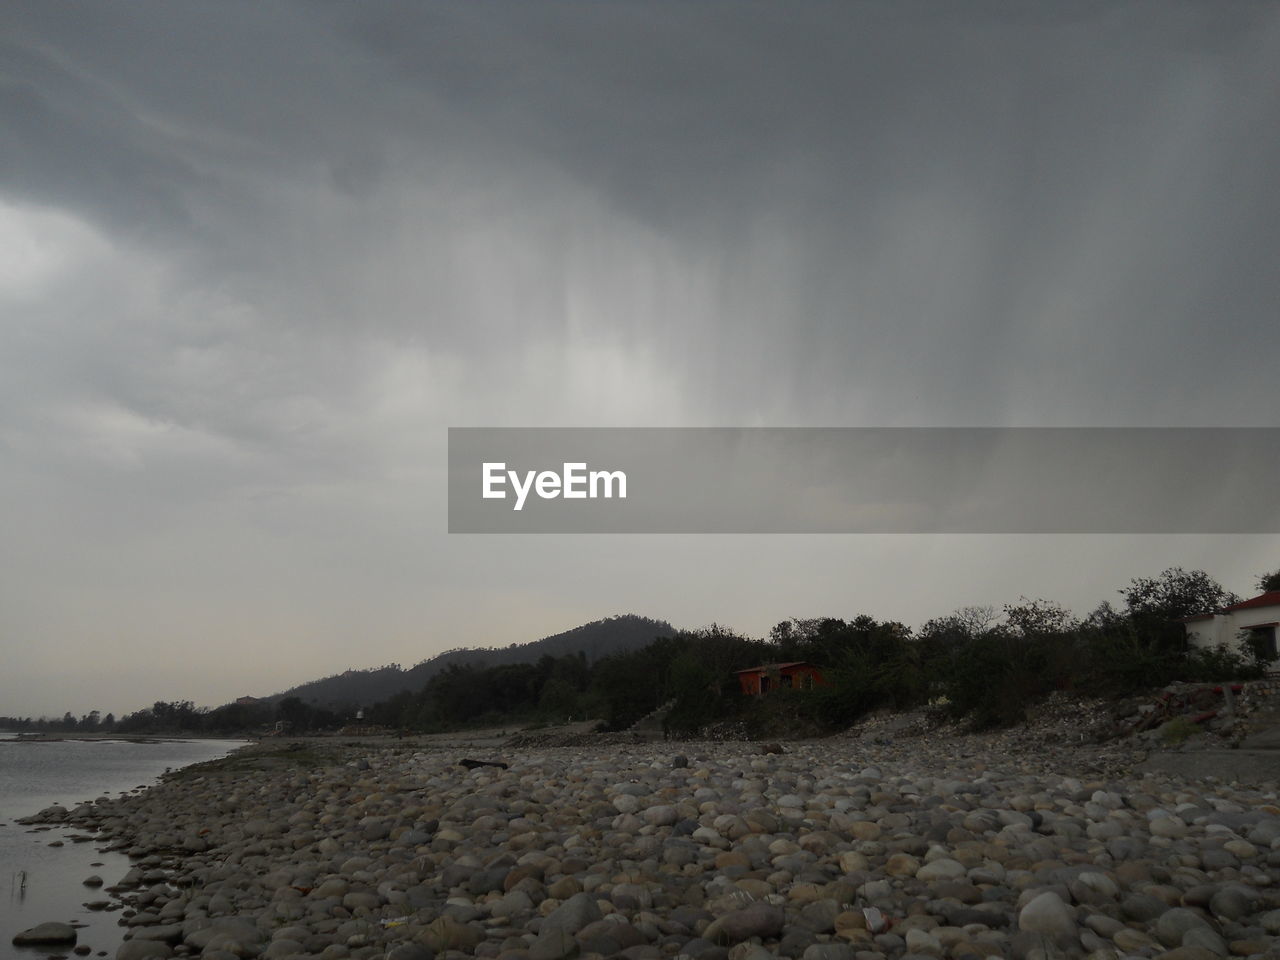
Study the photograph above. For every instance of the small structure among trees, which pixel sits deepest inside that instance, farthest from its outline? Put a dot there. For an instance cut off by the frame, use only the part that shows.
(795, 675)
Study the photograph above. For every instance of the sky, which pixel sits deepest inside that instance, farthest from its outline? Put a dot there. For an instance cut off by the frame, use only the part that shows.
(257, 258)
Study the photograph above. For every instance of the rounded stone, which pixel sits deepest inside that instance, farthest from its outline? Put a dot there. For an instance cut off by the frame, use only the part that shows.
(1230, 904)
(1171, 828)
(1047, 914)
(1173, 924)
(50, 932)
(941, 869)
(144, 950)
(902, 865)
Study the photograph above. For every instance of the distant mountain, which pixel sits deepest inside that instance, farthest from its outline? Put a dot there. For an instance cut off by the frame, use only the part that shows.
(356, 688)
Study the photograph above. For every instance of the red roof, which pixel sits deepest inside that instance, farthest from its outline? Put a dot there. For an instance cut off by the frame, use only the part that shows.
(1269, 599)
(775, 666)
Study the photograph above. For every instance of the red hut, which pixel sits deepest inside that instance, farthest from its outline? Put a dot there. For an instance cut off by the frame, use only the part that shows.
(796, 675)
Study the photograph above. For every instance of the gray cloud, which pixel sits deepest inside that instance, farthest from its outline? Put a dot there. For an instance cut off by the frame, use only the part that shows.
(265, 254)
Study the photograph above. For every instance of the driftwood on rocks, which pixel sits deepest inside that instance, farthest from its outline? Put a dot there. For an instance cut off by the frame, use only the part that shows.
(472, 764)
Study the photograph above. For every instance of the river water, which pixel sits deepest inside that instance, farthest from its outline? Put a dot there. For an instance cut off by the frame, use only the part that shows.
(40, 882)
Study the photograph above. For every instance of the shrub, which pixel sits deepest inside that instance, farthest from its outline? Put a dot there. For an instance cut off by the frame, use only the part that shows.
(1177, 731)
(995, 677)
(1218, 664)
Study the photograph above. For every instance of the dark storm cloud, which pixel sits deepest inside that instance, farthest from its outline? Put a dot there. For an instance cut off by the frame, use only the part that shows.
(1028, 213)
(861, 184)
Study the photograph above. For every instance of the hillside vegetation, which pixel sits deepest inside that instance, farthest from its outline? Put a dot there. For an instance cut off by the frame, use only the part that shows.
(985, 666)
(351, 689)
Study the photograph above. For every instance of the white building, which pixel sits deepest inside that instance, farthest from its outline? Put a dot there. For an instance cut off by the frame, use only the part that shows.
(1249, 623)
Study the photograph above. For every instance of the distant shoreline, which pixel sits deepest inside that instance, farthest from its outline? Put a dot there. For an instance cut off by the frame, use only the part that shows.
(102, 738)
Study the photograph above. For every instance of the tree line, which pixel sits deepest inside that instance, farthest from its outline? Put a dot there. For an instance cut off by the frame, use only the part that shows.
(977, 663)
(184, 717)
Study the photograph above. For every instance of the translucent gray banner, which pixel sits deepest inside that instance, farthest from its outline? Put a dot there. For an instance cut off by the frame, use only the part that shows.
(864, 480)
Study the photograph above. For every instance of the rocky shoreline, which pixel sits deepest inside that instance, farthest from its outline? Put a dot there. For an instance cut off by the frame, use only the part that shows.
(869, 847)
(98, 738)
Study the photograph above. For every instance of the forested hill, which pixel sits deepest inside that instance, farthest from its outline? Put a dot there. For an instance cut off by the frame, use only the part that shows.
(364, 687)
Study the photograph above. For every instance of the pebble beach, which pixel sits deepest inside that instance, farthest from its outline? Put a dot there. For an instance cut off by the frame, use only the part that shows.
(847, 848)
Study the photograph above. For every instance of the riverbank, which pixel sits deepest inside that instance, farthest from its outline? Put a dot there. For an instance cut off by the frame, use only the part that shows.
(849, 848)
(44, 866)
(104, 739)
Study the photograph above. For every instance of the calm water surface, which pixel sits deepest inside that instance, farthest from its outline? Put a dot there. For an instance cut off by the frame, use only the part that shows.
(39, 882)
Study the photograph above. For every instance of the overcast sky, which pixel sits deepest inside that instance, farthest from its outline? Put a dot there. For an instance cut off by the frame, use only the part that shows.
(256, 258)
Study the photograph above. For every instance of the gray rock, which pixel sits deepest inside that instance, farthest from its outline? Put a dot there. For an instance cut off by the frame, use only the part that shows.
(1103, 924)
(828, 951)
(572, 915)
(408, 951)
(661, 815)
(760, 919)
(1047, 914)
(608, 932)
(224, 928)
(230, 945)
(1093, 887)
(1230, 904)
(1206, 938)
(553, 944)
(1173, 924)
(1189, 953)
(512, 904)
(1169, 827)
(1126, 848)
(820, 916)
(171, 932)
(282, 948)
(50, 932)
(1218, 859)
(922, 942)
(362, 898)
(144, 950)
(1270, 921)
(796, 941)
(445, 933)
(941, 869)
(488, 880)
(1142, 907)
(1026, 945)
(700, 946)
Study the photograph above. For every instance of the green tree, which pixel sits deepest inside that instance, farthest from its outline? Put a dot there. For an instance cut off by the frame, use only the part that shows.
(558, 699)
(1038, 618)
(1174, 594)
(1156, 605)
(294, 712)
